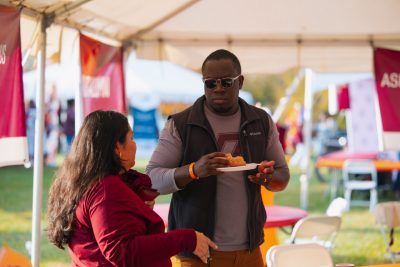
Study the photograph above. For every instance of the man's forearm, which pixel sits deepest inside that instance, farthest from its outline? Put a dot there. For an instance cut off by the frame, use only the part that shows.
(163, 180)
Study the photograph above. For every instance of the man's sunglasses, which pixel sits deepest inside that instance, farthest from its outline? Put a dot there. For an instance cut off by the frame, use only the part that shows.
(225, 82)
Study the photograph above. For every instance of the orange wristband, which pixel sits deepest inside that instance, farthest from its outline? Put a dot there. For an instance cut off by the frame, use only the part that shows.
(191, 172)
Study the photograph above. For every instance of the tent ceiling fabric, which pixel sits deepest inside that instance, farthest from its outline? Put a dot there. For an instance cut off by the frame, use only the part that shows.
(267, 35)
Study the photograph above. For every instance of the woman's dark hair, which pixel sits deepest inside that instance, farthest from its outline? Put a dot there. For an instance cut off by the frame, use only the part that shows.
(92, 157)
(223, 54)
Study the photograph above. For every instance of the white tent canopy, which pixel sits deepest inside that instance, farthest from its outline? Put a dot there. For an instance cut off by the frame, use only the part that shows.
(267, 35)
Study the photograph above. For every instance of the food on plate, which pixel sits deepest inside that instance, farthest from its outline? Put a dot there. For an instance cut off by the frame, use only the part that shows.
(235, 161)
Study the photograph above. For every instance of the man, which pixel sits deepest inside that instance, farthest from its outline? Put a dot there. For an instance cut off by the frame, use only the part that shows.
(225, 206)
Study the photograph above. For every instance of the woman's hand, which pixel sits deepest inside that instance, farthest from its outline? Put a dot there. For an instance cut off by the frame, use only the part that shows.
(265, 172)
(150, 204)
(203, 244)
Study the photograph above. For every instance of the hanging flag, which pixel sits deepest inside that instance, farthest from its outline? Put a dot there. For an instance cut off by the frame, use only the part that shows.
(102, 84)
(13, 142)
(343, 98)
(387, 79)
(361, 122)
(145, 123)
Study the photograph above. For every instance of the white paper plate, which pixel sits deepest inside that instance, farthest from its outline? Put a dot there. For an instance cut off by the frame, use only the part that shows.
(248, 166)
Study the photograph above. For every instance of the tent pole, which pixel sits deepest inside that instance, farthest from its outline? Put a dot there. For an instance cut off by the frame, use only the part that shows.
(79, 103)
(38, 160)
(307, 132)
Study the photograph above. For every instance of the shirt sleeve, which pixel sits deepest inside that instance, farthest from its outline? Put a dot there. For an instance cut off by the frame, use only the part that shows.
(274, 150)
(120, 224)
(165, 159)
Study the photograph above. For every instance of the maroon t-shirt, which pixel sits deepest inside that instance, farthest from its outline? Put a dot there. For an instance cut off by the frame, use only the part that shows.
(113, 227)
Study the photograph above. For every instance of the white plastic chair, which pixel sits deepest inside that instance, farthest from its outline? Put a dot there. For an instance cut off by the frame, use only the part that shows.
(337, 207)
(366, 169)
(387, 216)
(321, 230)
(312, 255)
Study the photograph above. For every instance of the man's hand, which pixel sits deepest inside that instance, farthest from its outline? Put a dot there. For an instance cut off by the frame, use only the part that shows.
(207, 165)
(265, 172)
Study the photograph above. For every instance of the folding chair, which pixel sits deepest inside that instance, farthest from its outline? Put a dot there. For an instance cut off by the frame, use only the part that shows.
(299, 255)
(387, 215)
(321, 230)
(360, 175)
(337, 207)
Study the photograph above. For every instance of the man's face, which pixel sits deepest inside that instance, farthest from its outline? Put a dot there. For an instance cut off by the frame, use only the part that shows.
(219, 99)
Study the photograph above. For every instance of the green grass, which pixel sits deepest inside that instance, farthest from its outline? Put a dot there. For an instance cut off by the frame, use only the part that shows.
(358, 242)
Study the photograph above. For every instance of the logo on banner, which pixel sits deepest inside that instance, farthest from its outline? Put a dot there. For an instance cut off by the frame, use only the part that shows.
(391, 80)
(96, 87)
(3, 48)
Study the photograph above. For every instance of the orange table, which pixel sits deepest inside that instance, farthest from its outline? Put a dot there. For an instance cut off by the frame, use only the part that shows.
(380, 164)
(382, 265)
(336, 160)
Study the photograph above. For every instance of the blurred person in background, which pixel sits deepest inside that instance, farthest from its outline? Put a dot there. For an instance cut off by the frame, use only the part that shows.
(30, 127)
(69, 124)
(325, 131)
(53, 122)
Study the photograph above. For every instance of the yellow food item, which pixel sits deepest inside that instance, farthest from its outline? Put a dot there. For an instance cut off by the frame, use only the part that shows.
(235, 161)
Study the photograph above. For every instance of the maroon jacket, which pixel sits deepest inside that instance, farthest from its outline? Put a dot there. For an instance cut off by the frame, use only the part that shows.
(113, 227)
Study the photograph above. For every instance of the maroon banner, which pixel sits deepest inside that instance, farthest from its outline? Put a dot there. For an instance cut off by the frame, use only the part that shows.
(387, 76)
(102, 83)
(12, 118)
(13, 142)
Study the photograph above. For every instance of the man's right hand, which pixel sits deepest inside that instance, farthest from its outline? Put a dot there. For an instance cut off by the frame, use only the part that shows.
(207, 165)
(203, 244)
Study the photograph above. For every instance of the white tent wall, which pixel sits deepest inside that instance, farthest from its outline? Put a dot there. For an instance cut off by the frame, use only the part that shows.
(268, 36)
(170, 82)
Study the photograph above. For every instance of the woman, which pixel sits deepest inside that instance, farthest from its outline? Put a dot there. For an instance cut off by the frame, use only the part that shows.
(93, 209)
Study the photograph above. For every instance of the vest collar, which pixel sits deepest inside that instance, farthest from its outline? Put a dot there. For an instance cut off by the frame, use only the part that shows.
(197, 116)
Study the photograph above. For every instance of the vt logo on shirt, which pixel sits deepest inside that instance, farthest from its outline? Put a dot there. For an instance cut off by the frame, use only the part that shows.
(229, 143)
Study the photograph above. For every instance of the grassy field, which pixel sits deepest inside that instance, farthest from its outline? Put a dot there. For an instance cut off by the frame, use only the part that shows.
(359, 240)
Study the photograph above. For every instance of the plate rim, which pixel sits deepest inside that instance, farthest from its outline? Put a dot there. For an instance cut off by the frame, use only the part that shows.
(238, 168)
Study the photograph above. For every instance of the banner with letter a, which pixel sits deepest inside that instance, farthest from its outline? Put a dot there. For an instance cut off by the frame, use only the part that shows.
(102, 84)
(13, 142)
(387, 77)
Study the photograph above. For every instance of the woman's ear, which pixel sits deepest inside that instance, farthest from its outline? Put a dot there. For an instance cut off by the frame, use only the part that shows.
(117, 150)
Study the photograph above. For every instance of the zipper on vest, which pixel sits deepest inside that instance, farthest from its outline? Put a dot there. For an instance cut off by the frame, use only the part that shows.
(245, 145)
